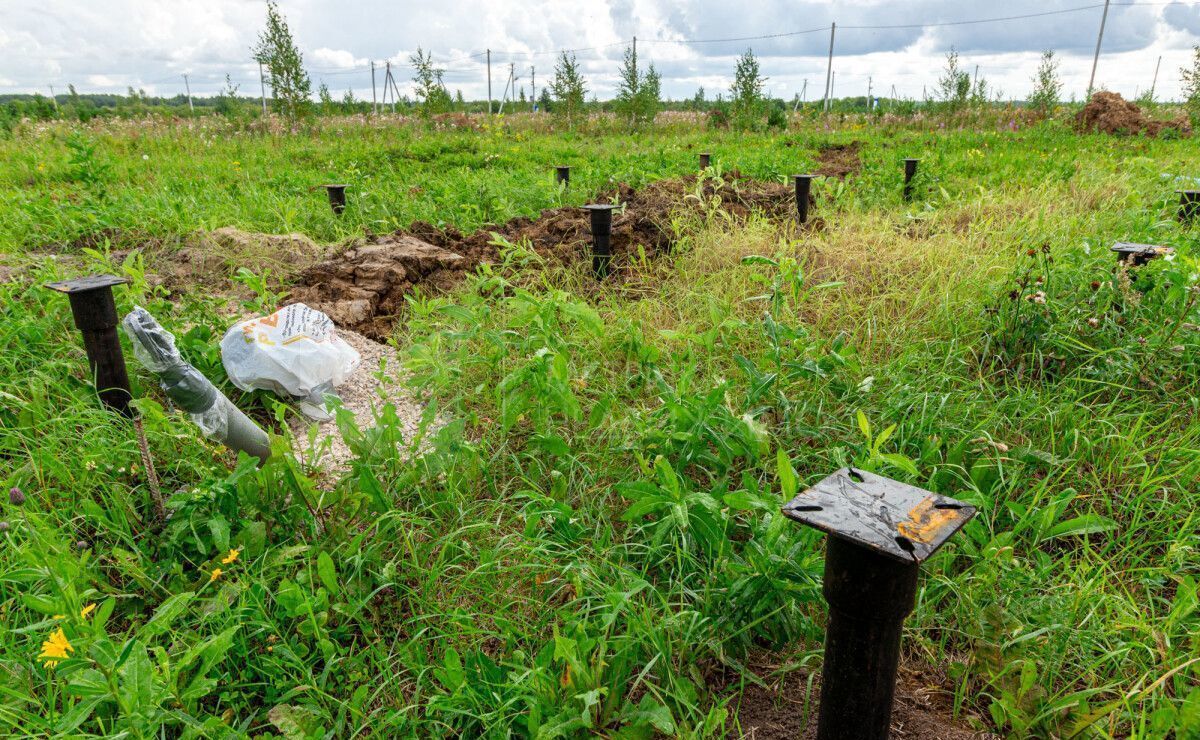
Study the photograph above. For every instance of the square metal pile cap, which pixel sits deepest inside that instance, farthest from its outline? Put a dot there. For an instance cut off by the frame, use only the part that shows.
(90, 282)
(892, 518)
(1147, 250)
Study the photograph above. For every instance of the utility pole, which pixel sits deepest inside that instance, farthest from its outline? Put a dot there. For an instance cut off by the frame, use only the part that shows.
(263, 86)
(489, 66)
(829, 69)
(374, 105)
(387, 81)
(1155, 82)
(532, 88)
(188, 87)
(870, 80)
(1099, 40)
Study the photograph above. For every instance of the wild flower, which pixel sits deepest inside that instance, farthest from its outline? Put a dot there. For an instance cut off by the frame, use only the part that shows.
(85, 611)
(216, 573)
(16, 496)
(230, 558)
(55, 648)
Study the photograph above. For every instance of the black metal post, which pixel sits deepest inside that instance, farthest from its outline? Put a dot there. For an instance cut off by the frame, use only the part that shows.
(705, 160)
(337, 197)
(1189, 205)
(869, 596)
(601, 238)
(95, 312)
(803, 188)
(880, 531)
(562, 175)
(910, 171)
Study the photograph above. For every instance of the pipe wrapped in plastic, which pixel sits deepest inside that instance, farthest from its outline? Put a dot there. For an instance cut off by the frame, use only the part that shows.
(215, 414)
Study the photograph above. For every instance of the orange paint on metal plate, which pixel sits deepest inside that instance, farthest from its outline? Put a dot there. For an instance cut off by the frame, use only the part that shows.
(925, 521)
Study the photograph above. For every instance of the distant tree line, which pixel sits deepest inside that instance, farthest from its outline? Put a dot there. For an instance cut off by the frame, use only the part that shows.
(637, 102)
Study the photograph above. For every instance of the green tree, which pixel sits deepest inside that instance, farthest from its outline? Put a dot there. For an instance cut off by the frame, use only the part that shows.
(746, 92)
(544, 103)
(638, 93)
(568, 88)
(1046, 85)
(277, 52)
(432, 95)
(954, 86)
(227, 100)
(326, 99)
(698, 99)
(1191, 86)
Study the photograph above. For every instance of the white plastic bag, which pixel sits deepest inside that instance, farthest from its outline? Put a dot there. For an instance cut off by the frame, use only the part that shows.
(293, 352)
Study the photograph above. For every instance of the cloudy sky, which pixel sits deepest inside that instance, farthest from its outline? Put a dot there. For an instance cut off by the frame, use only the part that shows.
(110, 45)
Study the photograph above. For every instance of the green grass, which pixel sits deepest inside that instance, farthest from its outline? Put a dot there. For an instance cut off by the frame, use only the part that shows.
(593, 544)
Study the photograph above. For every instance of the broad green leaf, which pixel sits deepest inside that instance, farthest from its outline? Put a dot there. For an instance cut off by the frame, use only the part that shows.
(1086, 524)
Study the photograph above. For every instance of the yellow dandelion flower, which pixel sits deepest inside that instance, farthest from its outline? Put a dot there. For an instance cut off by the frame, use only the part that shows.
(55, 648)
(85, 611)
(215, 575)
(230, 558)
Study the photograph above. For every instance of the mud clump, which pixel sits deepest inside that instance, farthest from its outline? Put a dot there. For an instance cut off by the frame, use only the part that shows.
(1109, 113)
(364, 287)
(838, 160)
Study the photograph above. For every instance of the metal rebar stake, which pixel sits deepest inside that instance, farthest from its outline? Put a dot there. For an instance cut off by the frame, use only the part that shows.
(880, 531)
(562, 175)
(95, 312)
(337, 197)
(601, 214)
(803, 188)
(910, 171)
(1189, 205)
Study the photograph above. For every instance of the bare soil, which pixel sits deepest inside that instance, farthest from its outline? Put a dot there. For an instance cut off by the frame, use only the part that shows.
(1109, 113)
(364, 287)
(838, 160)
(787, 708)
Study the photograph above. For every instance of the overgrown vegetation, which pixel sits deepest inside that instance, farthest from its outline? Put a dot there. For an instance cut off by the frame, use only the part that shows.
(592, 544)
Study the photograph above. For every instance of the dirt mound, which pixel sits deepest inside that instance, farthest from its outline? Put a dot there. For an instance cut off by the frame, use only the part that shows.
(838, 160)
(364, 287)
(1109, 113)
(211, 257)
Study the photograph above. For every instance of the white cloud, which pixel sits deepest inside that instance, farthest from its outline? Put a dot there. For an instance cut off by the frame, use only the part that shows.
(103, 47)
(338, 59)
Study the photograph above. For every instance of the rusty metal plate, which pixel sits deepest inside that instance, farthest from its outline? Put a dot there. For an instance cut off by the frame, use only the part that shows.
(1142, 250)
(892, 518)
(83, 284)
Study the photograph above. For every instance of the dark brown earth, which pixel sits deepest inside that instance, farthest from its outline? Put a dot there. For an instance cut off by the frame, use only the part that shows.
(363, 288)
(787, 708)
(1109, 113)
(838, 160)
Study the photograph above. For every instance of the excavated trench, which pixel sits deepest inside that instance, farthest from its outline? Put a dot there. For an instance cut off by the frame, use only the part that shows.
(364, 287)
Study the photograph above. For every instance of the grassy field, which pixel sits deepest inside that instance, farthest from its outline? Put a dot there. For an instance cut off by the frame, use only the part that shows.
(592, 544)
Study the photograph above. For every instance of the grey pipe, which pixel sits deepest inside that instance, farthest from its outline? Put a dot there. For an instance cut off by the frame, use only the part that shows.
(215, 414)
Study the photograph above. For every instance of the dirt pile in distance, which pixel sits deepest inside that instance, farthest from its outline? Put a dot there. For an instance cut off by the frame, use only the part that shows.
(1109, 113)
(363, 288)
(838, 160)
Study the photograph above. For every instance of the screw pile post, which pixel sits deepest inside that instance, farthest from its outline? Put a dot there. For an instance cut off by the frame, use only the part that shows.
(95, 313)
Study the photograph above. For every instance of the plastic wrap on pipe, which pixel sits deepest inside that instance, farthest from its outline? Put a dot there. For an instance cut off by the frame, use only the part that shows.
(154, 347)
